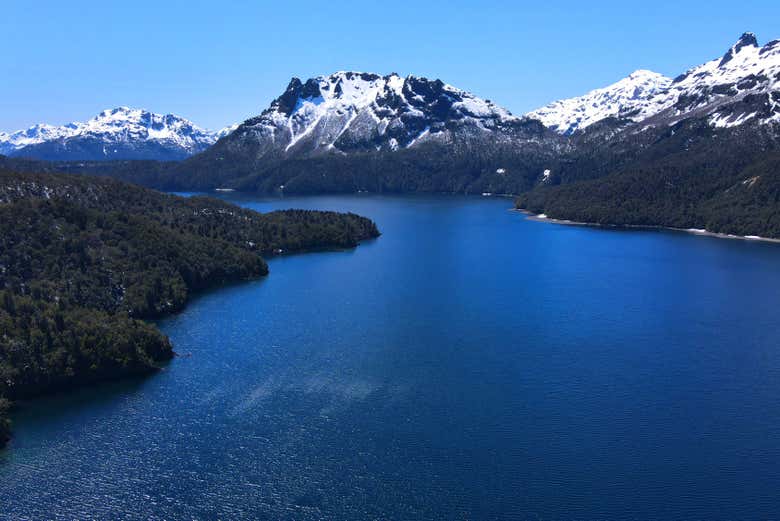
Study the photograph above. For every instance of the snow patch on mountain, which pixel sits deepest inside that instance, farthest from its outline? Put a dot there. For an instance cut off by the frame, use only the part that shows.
(226, 131)
(629, 98)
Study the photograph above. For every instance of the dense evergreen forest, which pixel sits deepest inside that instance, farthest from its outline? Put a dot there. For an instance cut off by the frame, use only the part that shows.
(690, 175)
(462, 167)
(84, 260)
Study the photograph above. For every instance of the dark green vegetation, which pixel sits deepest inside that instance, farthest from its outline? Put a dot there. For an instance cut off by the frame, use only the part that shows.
(83, 260)
(689, 175)
(461, 167)
(467, 162)
(5, 425)
(152, 174)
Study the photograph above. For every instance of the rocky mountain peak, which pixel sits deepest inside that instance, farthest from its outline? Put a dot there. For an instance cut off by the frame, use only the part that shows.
(746, 40)
(351, 110)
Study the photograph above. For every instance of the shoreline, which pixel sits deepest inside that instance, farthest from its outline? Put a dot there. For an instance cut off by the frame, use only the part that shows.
(6, 433)
(542, 218)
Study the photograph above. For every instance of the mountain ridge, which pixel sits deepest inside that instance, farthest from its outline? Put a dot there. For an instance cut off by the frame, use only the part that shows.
(712, 89)
(627, 97)
(359, 111)
(119, 133)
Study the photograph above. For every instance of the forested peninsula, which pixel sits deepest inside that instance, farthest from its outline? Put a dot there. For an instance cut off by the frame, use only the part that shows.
(84, 261)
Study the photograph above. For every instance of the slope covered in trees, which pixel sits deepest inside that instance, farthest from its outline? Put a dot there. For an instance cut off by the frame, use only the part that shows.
(84, 260)
(466, 166)
(690, 175)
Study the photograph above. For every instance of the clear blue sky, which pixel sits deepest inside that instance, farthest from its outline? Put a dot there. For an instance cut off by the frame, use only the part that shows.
(221, 62)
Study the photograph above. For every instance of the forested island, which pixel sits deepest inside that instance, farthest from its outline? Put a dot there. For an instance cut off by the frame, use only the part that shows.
(84, 260)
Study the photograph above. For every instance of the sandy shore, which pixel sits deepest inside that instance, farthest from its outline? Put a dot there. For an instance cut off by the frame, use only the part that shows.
(695, 231)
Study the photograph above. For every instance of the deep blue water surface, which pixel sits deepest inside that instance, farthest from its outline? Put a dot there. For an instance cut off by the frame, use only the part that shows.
(468, 364)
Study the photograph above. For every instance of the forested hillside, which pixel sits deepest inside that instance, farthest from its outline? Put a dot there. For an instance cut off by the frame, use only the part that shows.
(689, 175)
(462, 166)
(83, 260)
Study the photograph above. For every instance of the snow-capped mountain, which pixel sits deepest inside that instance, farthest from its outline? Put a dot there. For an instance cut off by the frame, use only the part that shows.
(743, 85)
(32, 136)
(120, 133)
(353, 111)
(740, 86)
(631, 98)
(364, 131)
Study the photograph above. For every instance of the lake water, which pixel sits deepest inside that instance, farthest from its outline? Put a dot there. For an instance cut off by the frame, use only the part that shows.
(468, 364)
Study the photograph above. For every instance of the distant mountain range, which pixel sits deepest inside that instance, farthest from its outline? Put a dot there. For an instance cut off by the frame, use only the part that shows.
(121, 133)
(349, 112)
(680, 150)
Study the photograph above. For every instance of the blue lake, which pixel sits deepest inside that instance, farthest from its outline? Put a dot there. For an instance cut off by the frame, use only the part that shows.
(468, 364)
